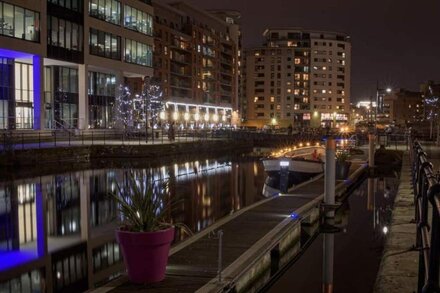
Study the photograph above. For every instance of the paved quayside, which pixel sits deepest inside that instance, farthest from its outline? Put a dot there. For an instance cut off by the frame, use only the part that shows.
(399, 268)
(250, 237)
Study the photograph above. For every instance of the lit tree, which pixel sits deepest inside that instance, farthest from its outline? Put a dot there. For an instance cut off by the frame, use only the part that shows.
(153, 101)
(124, 109)
(133, 111)
(432, 106)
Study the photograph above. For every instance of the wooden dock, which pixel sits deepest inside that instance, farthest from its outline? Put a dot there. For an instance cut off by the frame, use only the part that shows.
(256, 240)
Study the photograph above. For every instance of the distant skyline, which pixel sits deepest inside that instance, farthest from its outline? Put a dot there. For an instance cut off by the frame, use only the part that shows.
(395, 43)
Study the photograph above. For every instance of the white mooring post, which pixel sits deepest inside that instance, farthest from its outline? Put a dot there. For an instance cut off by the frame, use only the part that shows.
(330, 169)
(371, 149)
(328, 262)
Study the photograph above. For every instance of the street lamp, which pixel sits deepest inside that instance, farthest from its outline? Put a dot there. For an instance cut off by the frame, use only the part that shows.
(380, 93)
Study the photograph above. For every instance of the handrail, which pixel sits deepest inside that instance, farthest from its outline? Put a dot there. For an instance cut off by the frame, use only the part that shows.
(70, 129)
(426, 191)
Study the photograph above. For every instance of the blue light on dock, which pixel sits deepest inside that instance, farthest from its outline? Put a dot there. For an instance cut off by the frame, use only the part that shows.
(294, 216)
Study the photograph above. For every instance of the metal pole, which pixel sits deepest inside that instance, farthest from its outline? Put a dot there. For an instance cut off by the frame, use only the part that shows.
(328, 261)
(330, 178)
(220, 254)
(371, 149)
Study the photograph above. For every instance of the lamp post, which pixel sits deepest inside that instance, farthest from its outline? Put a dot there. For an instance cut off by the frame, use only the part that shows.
(380, 93)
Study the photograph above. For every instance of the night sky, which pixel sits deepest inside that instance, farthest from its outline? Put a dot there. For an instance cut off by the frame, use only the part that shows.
(396, 43)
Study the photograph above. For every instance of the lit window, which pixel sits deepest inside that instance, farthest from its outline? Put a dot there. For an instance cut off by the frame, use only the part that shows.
(297, 61)
(272, 99)
(138, 20)
(138, 53)
(109, 10)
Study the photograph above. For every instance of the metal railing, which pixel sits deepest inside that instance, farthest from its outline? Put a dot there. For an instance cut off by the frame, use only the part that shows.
(427, 215)
(17, 140)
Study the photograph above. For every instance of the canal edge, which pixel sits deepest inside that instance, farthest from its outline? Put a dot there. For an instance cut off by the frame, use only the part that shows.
(398, 268)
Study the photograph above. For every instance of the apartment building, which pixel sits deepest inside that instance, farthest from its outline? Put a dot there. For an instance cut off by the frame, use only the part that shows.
(402, 107)
(300, 78)
(62, 61)
(196, 59)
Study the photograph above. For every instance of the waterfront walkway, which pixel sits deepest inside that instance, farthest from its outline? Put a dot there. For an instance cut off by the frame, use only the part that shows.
(399, 267)
(246, 234)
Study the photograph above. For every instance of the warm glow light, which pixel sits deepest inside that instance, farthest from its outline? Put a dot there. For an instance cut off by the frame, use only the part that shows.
(186, 116)
(215, 117)
(175, 115)
(300, 144)
(274, 121)
(197, 116)
(388, 90)
(317, 144)
(162, 115)
(223, 118)
(308, 144)
(206, 117)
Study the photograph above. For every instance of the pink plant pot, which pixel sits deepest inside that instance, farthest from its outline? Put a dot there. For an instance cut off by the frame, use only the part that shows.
(145, 254)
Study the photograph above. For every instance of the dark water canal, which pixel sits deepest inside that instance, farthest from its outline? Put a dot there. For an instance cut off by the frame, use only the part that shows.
(356, 248)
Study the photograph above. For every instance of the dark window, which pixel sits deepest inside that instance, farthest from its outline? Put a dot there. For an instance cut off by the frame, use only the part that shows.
(105, 44)
(65, 34)
(75, 5)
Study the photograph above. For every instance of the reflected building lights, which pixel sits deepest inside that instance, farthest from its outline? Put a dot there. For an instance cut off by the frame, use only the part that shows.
(63, 196)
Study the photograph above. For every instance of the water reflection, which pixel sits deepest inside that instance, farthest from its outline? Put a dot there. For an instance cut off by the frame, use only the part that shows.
(57, 232)
(344, 255)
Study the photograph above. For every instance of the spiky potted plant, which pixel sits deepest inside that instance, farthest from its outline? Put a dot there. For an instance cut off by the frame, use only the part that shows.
(146, 232)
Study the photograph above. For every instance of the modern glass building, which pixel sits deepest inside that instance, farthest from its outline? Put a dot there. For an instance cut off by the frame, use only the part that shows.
(61, 61)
